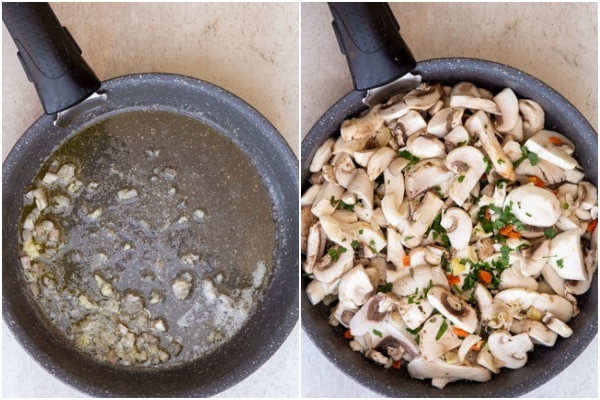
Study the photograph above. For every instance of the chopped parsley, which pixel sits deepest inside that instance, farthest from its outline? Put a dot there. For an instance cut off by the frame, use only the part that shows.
(334, 253)
(531, 156)
(461, 178)
(442, 330)
(412, 159)
(550, 232)
(385, 288)
(438, 232)
(340, 205)
(377, 333)
(560, 263)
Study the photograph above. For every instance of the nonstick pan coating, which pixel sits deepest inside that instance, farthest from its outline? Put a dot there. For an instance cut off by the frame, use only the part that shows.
(331, 342)
(276, 312)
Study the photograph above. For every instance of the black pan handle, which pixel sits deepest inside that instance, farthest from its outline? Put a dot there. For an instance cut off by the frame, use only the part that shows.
(369, 37)
(50, 56)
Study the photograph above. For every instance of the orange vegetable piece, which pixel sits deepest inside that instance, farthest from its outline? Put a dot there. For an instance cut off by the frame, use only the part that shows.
(406, 261)
(397, 364)
(460, 332)
(453, 279)
(536, 181)
(592, 225)
(348, 335)
(485, 276)
(509, 231)
(555, 140)
(477, 346)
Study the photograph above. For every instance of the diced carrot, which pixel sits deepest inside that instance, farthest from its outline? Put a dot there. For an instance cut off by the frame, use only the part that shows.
(487, 214)
(406, 261)
(453, 279)
(592, 225)
(555, 140)
(536, 181)
(509, 231)
(460, 332)
(477, 346)
(397, 364)
(485, 276)
(348, 335)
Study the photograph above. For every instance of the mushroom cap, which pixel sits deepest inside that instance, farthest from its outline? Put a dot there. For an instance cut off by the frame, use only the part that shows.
(454, 308)
(567, 256)
(508, 104)
(457, 223)
(510, 350)
(466, 162)
(442, 372)
(533, 205)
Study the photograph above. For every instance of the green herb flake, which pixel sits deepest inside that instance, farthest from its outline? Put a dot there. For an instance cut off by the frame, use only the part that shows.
(385, 288)
(461, 178)
(333, 254)
(412, 159)
(550, 232)
(442, 330)
(377, 333)
(361, 231)
(354, 244)
(560, 263)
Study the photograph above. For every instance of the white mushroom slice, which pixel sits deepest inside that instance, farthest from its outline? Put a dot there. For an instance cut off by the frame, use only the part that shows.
(322, 155)
(457, 137)
(443, 373)
(537, 331)
(394, 211)
(411, 123)
(454, 308)
(480, 126)
(553, 280)
(344, 169)
(587, 195)
(307, 219)
(533, 205)
(566, 256)
(544, 302)
(421, 219)
(465, 88)
(547, 172)
(309, 197)
(556, 325)
(323, 204)
(424, 175)
(355, 287)
(414, 311)
(553, 147)
(316, 290)
(315, 246)
(486, 359)
(394, 110)
(457, 223)
(418, 280)
(474, 103)
(395, 250)
(426, 255)
(513, 278)
(379, 162)
(508, 104)
(445, 121)
(533, 117)
(468, 342)
(362, 187)
(510, 350)
(363, 126)
(349, 146)
(423, 145)
(574, 175)
(469, 165)
(436, 338)
(394, 179)
(330, 269)
(423, 97)
(345, 233)
(533, 258)
(371, 314)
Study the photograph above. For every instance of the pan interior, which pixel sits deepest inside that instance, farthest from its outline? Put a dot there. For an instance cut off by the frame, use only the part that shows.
(168, 233)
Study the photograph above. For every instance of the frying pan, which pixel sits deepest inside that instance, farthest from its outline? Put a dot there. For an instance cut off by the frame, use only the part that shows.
(187, 101)
(542, 365)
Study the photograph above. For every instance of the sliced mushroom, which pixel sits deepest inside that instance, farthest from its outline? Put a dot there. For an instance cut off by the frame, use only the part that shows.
(548, 173)
(315, 246)
(567, 256)
(533, 117)
(445, 121)
(344, 169)
(553, 147)
(454, 308)
(344, 234)
(436, 338)
(410, 124)
(323, 204)
(537, 331)
(355, 287)
(316, 291)
(480, 126)
(510, 350)
(533, 258)
(512, 278)
(423, 97)
(414, 310)
(322, 155)
(379, 162)
(421, 219)
(418, 280)
(457, 137)
(362, 187)
(424, 175)
(329, 268)
(371, 314)
(468, 164)
(474, 103)
(443, 373)
(423, 145)
(533, 205)
(363, 126)
(508, 104)
(457, 223)
(544, 302)
(557, 325)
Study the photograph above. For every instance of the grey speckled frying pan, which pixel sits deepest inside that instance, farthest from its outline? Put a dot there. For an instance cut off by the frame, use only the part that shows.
(375, 26)
(216, 203)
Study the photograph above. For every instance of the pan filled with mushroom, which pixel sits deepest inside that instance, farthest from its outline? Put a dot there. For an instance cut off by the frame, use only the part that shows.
(449, 222)
(149, 226)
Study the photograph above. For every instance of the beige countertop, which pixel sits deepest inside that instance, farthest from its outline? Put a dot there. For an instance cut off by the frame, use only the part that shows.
(249, 49)
(555, 42)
